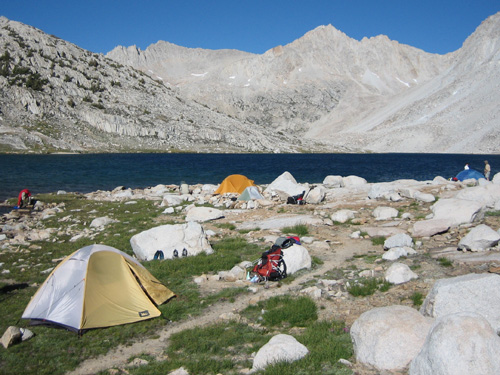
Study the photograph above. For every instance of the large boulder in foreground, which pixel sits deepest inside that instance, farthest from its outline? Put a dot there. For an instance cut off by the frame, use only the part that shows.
(459, 344)
(388, 338)
(281, 348)
(171, 238)
(479, 293)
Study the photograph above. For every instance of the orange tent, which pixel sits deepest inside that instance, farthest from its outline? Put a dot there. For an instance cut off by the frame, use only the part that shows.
(235, 183)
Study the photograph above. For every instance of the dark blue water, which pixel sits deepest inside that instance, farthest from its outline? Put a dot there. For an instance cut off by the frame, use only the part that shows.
(86, 173)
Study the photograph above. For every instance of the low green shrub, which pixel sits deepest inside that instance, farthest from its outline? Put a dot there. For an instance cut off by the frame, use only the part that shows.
(367, 286)
(299, 229)
(417, 299)
(377, 241)
(229, 226)
(445, 262)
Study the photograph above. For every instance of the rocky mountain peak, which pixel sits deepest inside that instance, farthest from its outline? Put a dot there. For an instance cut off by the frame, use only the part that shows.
(484, 44)
(322, 92)
(55, 96)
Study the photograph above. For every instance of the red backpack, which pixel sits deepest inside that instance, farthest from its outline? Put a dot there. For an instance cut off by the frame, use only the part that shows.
(271, 265)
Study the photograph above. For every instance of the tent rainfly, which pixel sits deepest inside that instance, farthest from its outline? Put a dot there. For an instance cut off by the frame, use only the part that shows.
(235, 183)
(468, 174)
(97, 286)
(250, 193)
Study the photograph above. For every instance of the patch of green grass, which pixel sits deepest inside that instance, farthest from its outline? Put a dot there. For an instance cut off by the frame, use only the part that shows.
(229, 226)
(215, 349)
(414, 205)
(377, 241)
(227, 349)
(417, 299)
(384, 286)
(245, 231)
(299, 229)
(283, 310)
(368, 258)
(327, 342)
(492, 213)
(317, 261)
(178, 275)
(334, 274)
(367, 286)
(445, 262)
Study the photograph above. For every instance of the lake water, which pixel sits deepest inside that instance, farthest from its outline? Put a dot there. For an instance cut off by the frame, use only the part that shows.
(90, 172)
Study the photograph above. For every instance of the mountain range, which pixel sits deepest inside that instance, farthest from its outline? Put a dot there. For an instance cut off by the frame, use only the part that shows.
(324, 92)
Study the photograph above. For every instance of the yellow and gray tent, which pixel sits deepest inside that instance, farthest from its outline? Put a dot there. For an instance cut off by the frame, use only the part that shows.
(97, 286)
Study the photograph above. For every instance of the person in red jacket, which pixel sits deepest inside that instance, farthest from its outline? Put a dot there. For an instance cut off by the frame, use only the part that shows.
(24, 198)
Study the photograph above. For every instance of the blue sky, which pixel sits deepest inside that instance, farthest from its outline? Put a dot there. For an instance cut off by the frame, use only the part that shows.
(436, 26)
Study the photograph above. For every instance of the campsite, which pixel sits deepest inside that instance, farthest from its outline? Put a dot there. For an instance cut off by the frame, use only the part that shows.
(217, 321)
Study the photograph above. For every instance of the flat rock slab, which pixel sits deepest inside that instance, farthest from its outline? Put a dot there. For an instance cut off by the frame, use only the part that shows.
(467, 257)
(281, 222)
(382, 231)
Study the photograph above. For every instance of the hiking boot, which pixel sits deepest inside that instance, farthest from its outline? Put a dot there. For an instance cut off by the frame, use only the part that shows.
(176, 254)
(184, 252)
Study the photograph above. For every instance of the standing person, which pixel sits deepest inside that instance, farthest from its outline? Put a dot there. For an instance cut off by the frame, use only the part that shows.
(24, 198)
(487, 170)
(466, 166)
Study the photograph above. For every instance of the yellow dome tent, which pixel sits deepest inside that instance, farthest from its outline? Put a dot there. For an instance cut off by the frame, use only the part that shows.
(235, 183)
(97, 286)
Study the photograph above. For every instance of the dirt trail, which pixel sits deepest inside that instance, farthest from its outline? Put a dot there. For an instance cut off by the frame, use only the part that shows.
(119, 357)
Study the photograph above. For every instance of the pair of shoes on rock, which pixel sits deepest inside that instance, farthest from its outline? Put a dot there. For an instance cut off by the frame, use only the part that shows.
(184, 253)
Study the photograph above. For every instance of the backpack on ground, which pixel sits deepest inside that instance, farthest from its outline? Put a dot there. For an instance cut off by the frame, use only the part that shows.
(296, 199)
(286, 242)
(271, 266)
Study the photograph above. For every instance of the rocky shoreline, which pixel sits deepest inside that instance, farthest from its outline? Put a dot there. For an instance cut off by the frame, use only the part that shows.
(422, 224)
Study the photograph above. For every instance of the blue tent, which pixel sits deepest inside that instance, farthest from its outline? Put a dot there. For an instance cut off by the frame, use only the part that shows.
(469, 173)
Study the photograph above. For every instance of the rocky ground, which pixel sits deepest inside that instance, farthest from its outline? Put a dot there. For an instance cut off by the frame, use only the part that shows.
(340, 256)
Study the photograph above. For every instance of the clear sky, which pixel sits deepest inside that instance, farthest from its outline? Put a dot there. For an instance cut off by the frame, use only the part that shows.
(437, 26)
